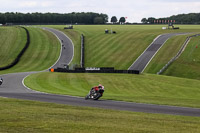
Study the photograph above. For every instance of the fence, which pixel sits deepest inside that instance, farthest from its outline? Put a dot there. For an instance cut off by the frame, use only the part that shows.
(82, 52)
(178, 54)
(95, 70)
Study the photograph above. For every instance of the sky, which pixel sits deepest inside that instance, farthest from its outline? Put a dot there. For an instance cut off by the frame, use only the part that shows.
(134, 10)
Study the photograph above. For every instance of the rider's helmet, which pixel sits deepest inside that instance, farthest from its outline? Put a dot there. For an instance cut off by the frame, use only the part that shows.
(101, 86)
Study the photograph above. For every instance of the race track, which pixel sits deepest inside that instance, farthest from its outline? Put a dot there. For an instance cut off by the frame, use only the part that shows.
(143, 60)
(13, 87)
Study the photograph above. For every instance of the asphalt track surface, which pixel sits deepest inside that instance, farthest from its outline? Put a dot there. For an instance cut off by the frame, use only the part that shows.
(143, 60)
(13, 87)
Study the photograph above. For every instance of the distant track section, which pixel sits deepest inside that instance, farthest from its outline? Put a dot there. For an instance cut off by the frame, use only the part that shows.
(67, 51)
(144, 59)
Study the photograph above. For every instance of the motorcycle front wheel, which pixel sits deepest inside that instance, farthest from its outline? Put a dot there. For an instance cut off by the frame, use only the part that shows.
(87, 97)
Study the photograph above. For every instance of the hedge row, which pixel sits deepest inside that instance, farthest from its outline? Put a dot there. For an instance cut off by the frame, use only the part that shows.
(20, 54)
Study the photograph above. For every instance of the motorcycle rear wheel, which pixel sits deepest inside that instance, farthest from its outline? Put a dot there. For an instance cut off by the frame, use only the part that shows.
(97, 97)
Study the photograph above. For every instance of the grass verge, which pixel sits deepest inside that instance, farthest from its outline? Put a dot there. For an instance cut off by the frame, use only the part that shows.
(145, 88)
(12, 41)
(188, 64)
(30, 116)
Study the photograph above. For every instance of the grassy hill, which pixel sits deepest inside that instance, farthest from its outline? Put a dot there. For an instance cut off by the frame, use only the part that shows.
(165, 54)
(145, 88)
(12, 41)
(41, 54)
(116, 50)
(188, 64)
(29, 116)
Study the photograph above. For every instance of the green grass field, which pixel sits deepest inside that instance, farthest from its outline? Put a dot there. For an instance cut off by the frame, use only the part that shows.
(116, 50)
(188, 64)
(145, 88)
(41, 54)
(29, 116)
(12, 41)
(165, 54)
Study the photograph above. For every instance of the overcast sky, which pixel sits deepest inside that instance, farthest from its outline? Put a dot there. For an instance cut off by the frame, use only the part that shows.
(134, 10)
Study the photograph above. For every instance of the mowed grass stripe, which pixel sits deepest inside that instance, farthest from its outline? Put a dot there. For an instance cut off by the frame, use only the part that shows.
(45, 49)
(117, 51)
(188, 64)
(35, 36)
(12, 41)
(143, 88)
(42, 53)
(36, 55)
(48, 49)
(166, 53)
(111, 51)
(108, 51)
(130, 49)
(98, 46)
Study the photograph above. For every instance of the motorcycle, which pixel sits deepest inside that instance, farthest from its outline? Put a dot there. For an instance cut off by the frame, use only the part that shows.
(95, 94)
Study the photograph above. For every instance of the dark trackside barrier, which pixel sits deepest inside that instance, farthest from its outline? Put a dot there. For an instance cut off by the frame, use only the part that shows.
(82, 51)
(20, 54)
(95, 70)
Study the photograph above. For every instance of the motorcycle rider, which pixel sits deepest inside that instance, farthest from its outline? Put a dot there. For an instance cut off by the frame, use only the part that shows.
(96, 88)
(1, 81)
(95, 93)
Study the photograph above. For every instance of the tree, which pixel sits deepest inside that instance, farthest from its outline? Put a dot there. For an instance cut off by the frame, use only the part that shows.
(122, 20)
(144, 20)
(151, 20)
(114, 19)
(98, 20)
(105, 17)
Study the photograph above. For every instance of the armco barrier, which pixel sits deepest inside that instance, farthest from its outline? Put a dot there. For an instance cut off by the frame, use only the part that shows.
(177, 55)
(20, 54)
(100, 70)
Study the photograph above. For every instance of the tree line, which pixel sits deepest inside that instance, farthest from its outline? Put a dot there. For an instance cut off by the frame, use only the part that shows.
(191, 18)
(39, 18)
(114, 20)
